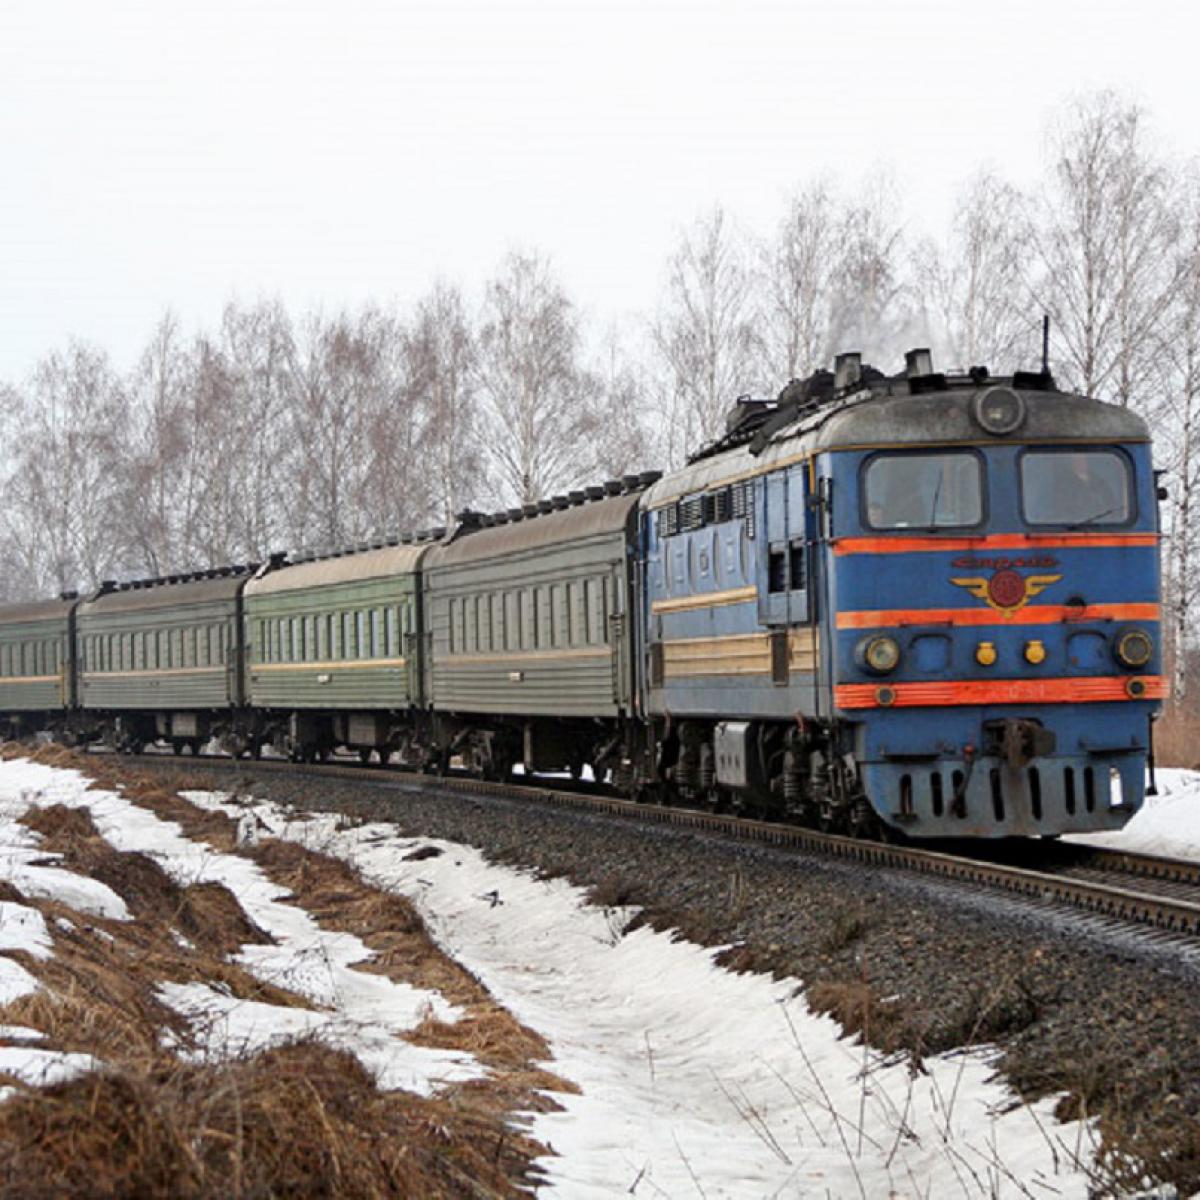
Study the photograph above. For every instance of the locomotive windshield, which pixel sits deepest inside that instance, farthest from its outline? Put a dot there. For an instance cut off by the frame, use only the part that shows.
(923, 491)
(1075, 487)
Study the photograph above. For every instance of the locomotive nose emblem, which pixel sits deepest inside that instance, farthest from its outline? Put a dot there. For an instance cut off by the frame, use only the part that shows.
(1006, 590)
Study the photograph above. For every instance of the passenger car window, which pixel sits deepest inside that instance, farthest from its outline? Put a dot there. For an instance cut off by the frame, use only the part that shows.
(923, 491)
(1075, 487)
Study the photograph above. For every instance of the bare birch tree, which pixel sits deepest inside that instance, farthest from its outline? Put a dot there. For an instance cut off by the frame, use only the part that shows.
(871, 309)
(443, 352)
(65, 484)
(800, 266)
(975, 288)
(1103, 236)
(1178, 432)
(528, 372)
(258, 344)
(706, 334)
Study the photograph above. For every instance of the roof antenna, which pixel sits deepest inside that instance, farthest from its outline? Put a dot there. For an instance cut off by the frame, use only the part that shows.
(1045, 343)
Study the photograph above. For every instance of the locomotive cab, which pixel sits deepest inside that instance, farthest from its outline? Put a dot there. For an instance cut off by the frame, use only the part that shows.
(992, 603)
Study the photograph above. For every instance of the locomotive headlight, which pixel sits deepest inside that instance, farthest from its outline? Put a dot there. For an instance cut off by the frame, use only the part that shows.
(999, 410)
(1134, 648)
(879, 654)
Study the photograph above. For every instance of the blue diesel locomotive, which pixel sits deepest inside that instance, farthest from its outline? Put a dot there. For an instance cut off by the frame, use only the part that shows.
(922, 603)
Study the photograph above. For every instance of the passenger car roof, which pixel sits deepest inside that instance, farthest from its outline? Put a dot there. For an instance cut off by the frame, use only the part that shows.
(134, 598)
(343, 568)
(543, 531)
(36, 610)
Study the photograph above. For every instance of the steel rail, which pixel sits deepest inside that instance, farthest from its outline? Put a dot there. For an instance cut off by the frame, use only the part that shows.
(1169, 913)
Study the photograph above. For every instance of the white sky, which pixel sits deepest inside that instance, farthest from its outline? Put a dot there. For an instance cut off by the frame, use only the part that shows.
(182, 152)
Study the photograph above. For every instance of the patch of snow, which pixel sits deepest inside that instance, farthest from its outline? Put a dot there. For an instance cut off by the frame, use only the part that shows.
(23, 862)
(225, 1027)
(15, 981)
(23, 928)
(315, 963)
(21, 1033)
(42, 1067)
(1167, 824)
(697, 1081)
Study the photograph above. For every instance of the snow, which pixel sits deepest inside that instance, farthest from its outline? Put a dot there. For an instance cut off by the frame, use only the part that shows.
(226, 1027)
(23, 928)
(1167, 824)
(15, 981)
(696, 1080)
(370, 1009)
(42, 1067)
(25, 865)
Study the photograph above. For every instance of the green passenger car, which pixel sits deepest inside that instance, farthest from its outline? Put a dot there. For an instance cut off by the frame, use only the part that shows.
(335, 653)
(162, 659)
(37, 677)
(531, 654)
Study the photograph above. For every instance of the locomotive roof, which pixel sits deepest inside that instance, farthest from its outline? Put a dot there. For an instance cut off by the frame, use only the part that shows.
(136, 597)
(576, 523)
(36, 610)
(888, 413)
(344, 568)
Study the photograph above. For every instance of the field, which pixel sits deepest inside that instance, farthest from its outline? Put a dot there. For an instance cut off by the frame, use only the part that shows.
(207, 995)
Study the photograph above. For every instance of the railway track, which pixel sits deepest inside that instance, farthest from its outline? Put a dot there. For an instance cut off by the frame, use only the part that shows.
(1133, 889)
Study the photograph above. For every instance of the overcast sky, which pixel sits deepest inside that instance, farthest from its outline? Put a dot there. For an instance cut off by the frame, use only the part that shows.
(184, 152)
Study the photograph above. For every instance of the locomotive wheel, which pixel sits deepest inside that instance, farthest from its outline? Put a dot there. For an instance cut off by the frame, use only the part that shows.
(384, 756)
(364, 757)
(862, 822)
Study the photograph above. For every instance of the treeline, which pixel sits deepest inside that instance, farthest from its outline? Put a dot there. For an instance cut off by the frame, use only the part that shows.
(277, 430)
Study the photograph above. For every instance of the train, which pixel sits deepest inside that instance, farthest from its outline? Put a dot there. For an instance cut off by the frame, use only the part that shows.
(922, 605)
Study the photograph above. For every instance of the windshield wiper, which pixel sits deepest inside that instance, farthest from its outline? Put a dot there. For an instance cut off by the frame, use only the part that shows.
(937, 495)
(1108, 512)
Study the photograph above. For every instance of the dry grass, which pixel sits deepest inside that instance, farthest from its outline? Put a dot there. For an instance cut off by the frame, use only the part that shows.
(1177, 736)
(859, 1009)
(301, 1120)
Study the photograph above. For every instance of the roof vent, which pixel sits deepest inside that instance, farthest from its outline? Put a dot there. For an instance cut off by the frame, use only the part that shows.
(744, 408)
(847, 370)
(594, 493)
(918, 362)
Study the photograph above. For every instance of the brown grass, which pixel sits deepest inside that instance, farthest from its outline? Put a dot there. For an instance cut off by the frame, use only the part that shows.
(304, 1120)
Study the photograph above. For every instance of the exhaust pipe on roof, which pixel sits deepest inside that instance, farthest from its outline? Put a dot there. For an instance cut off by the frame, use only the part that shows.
(847, 370)
(918, 362)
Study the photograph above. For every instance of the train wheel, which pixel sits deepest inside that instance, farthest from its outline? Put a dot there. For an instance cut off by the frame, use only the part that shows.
(863, 823)
(364, 757)
(384, 756)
